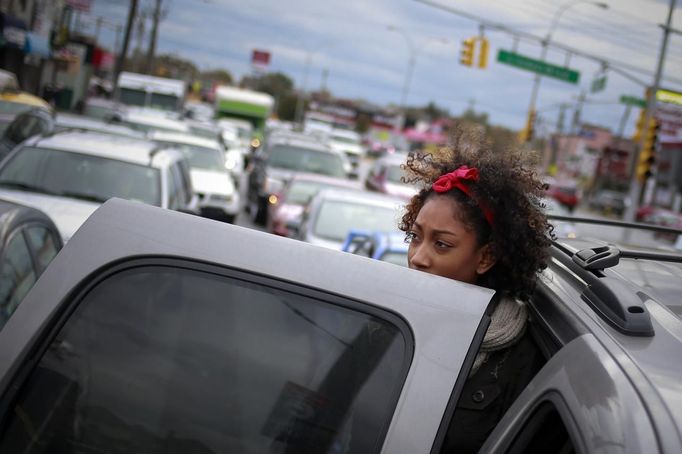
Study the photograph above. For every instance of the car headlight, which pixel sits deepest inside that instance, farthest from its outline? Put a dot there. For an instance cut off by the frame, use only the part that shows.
(230, 163)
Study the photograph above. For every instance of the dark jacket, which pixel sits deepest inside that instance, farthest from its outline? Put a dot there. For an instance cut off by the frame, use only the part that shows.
(490, 392)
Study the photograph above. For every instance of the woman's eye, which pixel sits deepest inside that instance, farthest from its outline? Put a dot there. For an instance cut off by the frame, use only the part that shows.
(410, 236)
(441, 245)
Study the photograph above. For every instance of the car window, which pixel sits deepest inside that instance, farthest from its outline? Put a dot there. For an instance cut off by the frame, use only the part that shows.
(544, 431)
(82, 176)
(164, 359)
(16, 276)
(336, 218)
(200, 157)
(43, 243)
(394, 174)
(306, 160)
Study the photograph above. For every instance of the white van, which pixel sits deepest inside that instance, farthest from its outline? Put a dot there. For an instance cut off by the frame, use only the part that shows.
(149, 91)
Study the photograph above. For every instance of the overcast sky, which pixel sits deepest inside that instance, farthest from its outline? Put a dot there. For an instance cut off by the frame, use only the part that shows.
(351, 40)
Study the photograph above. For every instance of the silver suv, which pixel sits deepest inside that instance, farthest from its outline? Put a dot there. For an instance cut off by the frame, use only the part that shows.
(68, 175)
(142, 336)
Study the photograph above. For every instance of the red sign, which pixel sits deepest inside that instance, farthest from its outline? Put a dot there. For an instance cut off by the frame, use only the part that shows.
(260, 58)
(80, 5)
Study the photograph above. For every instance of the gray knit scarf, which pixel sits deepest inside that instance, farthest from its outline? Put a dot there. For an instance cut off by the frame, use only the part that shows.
(507, 325)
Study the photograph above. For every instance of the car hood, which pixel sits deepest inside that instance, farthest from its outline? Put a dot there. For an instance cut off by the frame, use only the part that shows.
(67, 213)
(280, 174)
(212, 182)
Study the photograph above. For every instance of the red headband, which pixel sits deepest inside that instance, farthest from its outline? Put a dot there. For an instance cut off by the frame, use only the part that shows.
(456, 179)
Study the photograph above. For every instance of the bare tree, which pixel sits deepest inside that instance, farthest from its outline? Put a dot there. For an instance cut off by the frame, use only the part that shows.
(159, 13)
(126, 41)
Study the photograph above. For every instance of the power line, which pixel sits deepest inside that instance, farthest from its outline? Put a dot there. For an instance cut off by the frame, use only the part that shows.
(617, 66)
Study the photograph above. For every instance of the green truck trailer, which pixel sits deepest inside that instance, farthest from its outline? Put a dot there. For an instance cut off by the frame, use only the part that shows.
(239, 103)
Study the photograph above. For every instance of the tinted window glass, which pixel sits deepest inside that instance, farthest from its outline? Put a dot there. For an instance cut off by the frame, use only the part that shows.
(336, 218)
(82, 176)
(173, 360)
(544, 432)
(43, 244)
(132, 97)
(306, 160)
(16, 276)
(164, 102)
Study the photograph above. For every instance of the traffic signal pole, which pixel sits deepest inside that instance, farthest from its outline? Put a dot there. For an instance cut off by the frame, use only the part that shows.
(635, 185)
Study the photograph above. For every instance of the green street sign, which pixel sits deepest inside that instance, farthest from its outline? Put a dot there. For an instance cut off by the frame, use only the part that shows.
(598, 84)
(537, 66)
(633, 101)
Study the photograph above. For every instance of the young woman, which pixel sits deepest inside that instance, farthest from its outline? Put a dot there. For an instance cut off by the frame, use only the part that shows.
(478, 219)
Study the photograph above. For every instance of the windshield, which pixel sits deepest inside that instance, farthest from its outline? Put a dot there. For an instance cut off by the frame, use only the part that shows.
(306, 160)
(336, 218)
(81, 176)
(13, 108)
(300, 192)
(394, 174)
(201, 157)
(163, 102)
(132, 97)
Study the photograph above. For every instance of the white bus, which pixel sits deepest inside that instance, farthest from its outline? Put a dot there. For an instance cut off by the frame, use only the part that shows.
(150, 91)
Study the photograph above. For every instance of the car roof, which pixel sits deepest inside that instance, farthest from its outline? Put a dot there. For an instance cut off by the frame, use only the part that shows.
(66, 120)
(299, 140)
(154, 119)
(651, 279)
(186, 139)
(12, 213)
(107, 146)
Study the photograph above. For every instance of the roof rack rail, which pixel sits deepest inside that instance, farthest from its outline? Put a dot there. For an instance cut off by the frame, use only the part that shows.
(631, 225)
(612, 299)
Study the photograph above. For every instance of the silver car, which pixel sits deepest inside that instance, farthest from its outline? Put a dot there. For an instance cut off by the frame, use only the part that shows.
(69, 174)
(333, 213)
(141, 336)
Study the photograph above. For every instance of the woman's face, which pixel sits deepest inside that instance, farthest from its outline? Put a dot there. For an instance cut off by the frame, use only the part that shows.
(440, 243)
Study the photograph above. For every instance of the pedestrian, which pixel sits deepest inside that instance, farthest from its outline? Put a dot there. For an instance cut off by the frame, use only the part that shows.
(479, 219)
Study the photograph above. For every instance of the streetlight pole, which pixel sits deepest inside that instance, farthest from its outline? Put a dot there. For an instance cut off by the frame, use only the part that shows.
(411, 63)
(545, 44)
(300, 101)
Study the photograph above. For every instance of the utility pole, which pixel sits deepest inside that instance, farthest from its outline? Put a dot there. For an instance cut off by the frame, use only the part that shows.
(635, 186)
(151, 51)
(132, 11)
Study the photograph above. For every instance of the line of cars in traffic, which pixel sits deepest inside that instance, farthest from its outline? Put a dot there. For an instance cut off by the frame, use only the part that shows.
(123, 345)
(61, 167)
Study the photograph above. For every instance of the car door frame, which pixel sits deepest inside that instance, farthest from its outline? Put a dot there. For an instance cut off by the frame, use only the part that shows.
(446, 336)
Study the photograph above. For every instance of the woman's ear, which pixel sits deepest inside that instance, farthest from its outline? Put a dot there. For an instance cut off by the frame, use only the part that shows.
(487, 259)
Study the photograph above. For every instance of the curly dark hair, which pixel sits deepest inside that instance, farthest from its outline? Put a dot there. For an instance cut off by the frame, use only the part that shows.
(520, 235)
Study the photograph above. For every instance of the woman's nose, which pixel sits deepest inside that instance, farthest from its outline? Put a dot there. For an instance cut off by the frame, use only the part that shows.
(418, 257)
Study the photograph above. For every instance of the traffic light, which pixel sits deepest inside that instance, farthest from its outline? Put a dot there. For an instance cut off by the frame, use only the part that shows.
(639, 126)
(466, 56)
(527, 133)
(647, 155)
(483, 53)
